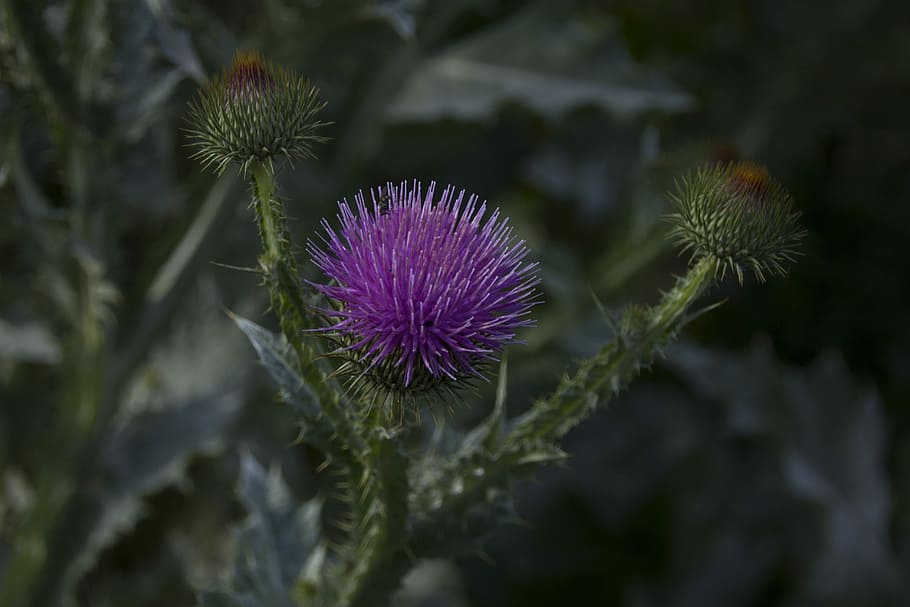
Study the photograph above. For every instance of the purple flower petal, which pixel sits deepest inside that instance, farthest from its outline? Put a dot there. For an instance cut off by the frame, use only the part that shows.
(435, 288)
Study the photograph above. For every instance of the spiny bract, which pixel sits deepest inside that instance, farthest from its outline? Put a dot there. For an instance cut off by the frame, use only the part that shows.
(254, 111)
(426, 292)
(739, 216)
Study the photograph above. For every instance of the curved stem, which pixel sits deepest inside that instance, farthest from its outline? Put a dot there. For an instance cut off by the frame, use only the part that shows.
(531, 441)
(617, 363)
(290, 302)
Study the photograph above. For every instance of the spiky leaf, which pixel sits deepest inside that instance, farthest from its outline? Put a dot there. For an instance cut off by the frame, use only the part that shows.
(277, 358)
(272, 545)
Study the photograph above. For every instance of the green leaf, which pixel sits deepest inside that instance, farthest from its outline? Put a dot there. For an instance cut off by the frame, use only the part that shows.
(275, 354)
(573, 61)
(152, 448)
(832, 451)
(86, 40)
(489, 430)
(278, 359)
(28, 342)
(273, 544)
(400, 15)
(148, 453)
(175, 42)
(220, 599)
(292, 531)
(165, 291)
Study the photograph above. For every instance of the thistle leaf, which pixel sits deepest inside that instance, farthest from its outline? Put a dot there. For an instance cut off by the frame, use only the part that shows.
(272, 545)
(832, 436)
(293, 531)
(487, 431)
(276, 356)
(135, 463)
(551, 77)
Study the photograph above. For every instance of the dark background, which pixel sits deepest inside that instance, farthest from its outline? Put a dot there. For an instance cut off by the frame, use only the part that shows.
(764, 461)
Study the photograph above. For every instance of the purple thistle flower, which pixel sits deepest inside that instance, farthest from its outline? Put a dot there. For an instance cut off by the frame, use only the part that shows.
(425, 291)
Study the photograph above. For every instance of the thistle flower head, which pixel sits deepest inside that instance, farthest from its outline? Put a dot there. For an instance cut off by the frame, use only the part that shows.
(254, 111)
(739, 216)
(426, 292)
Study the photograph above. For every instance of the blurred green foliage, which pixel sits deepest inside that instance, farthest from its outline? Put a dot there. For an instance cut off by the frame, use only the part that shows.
(767, 466)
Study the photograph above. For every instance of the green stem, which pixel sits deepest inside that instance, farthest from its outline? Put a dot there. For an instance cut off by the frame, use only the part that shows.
(530, 442)
(277, 260)
(292, 301)
(35, 571)
(363, 455)
(264, 182)
(381, 529)
(296, 316)
(521, 451)
(617, 363)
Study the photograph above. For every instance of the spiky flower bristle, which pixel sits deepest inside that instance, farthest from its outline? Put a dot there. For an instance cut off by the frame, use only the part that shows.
(254, 111)
(739, 216)
(427, 291)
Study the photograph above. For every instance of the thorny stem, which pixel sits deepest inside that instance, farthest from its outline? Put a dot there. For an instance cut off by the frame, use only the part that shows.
(277, 260)
(374, 469)
(380, 527)
(594, 384)
(294, 312)
(515, 454)
(551, 418)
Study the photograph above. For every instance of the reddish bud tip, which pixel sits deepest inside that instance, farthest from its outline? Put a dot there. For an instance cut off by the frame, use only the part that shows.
(749, 179)
(249, 73)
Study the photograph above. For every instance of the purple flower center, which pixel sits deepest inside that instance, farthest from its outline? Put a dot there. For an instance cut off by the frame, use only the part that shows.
(249, 76)
(425, 286)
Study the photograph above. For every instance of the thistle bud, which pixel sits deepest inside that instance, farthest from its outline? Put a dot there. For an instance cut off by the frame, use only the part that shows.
(739, 216)
(254, 111)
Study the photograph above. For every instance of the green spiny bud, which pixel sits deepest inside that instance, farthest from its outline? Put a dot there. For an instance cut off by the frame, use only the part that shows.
(739, 216)
(254, 111)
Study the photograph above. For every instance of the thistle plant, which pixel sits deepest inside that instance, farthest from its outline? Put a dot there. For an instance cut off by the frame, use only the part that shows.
(421, 295)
